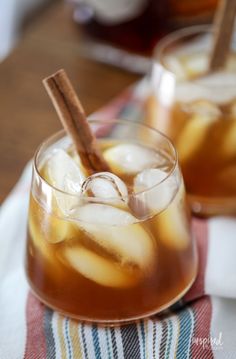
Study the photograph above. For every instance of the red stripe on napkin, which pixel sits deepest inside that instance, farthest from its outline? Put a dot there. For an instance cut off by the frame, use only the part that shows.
(201, 339)
(200, 231)
(35, 342)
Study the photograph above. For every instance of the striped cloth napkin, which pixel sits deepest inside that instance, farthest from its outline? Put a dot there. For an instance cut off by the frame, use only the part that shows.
(202, 326)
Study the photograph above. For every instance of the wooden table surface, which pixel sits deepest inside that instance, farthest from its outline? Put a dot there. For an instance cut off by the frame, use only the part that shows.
(26, 114)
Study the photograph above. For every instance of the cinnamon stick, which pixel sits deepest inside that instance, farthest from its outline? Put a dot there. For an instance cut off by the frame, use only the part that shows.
(223, 28)
(73, 119)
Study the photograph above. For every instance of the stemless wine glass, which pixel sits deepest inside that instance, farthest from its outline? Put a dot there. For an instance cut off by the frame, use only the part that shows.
(110, 259)
(197, 110)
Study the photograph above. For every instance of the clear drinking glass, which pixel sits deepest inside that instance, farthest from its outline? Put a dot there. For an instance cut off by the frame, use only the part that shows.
(119, 257)
(197, 110)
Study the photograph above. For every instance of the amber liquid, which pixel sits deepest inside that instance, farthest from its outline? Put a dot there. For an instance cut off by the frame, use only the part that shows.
(166, 271)
(206, 143)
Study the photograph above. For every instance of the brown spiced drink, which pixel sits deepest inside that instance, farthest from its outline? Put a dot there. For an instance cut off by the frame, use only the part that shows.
(197, 110)
(112, 246)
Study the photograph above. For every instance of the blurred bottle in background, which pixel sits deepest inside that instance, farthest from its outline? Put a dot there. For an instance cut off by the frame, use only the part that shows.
(138, 24)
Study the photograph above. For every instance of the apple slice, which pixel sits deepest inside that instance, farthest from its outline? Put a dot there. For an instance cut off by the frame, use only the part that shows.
(172, 226)
(98, 269)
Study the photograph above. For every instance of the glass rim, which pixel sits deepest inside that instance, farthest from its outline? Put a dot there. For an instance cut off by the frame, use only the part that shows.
(178, 34)
(173, 38)
(62, 134)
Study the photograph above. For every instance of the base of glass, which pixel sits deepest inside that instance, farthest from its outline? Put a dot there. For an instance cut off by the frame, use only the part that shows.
(116, 322)
(207, 207)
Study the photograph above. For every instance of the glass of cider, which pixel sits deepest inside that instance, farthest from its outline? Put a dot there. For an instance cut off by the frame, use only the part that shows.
(197, 110)
(110, 247)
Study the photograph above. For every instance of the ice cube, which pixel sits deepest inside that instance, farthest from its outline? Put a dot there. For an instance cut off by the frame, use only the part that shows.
(172, 224)
(195, 64)
(65, 175)
(49, 227)
(43, 251)
(148, 178)
(118, 232)
(41, 247)
(98, 269)
(193, 135)
(158, 187)
(130, 158)
(203, 108)
(174, 64)
(37, 238)
(106, 186)
(208, 88)
(56, 230)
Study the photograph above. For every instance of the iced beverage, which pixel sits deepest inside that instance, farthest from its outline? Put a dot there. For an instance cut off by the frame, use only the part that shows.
(197, 110)
(112, 246)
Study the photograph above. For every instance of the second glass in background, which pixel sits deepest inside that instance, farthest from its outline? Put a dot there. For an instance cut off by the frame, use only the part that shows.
(198, 112)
